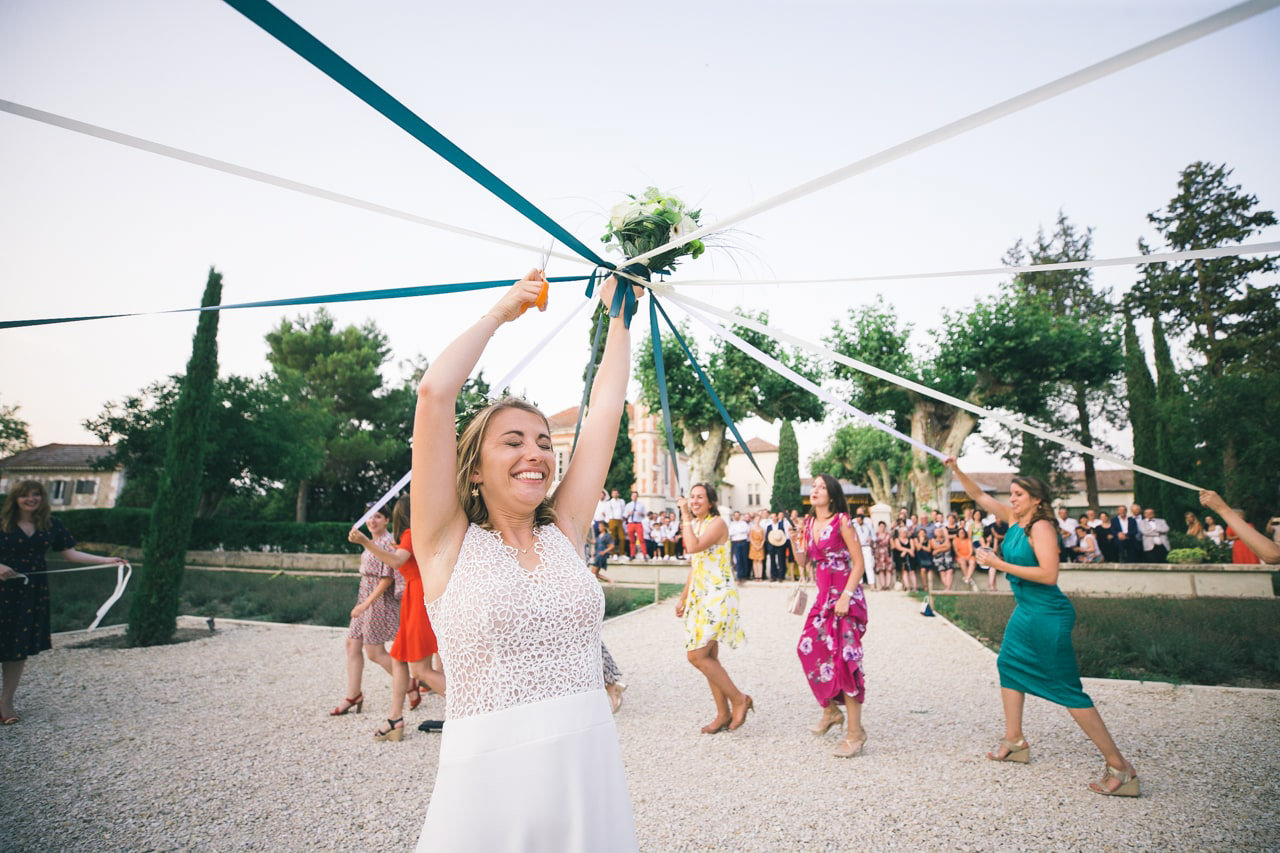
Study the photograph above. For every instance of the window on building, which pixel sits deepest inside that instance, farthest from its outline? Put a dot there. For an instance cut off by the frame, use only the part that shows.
(86, 487)
(58, 491)
(560, 454)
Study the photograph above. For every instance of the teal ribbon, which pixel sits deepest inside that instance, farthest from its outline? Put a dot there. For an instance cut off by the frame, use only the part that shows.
(624, 297)
(591, 375)
(349, 296)
(660, 371)
(706, 383)
(307, 46)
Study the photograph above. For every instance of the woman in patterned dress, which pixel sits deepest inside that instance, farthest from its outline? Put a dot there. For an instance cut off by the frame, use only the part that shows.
(709, 605)
(884, 563)
(830, 646)
(376, 616)
(27, 531)
(529, 756)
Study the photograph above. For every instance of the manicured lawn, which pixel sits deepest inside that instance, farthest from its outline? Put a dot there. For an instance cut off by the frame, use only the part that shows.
(1188, 641)
(76, 596)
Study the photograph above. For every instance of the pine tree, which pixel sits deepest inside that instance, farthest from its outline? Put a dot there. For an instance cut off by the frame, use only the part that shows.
(1141, 392)
(786, 475)
(622, 465)
(154, 610)
(1175, 442)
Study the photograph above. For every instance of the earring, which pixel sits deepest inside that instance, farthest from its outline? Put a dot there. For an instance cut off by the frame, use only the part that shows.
(475, 491)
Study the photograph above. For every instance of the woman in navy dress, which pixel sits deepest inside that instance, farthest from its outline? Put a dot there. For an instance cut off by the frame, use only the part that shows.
(27, 531)
(1036, 655)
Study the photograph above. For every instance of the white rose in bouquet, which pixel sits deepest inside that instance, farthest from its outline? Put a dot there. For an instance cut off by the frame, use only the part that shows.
(621, 213)
(685, 226)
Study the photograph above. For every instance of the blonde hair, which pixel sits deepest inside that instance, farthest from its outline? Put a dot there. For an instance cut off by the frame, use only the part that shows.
(11, 513)
(469, 443)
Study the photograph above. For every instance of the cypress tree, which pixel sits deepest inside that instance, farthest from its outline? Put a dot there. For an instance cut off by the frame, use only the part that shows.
(154, 609)
(786, 475)
(622, 465)
(1175, 442)
(1141, 393)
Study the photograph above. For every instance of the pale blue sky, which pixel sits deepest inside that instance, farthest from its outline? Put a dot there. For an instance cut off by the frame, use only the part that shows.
(573, 104)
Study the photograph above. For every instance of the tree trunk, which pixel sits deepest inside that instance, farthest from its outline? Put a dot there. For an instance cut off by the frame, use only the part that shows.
(707, 457)
(880, 483)
(300, 508)
(1086, 438)
(945, 428)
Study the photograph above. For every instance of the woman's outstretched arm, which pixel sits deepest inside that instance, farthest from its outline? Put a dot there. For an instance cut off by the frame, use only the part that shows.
(436, 516)
(974, 491)
(578, 493)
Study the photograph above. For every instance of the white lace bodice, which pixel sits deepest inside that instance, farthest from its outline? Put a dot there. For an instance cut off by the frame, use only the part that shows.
(510, 636)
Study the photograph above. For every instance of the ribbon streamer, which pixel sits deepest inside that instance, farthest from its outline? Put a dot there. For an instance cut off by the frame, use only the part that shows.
(1062, 85)
(872, 370)
(590, 373)
(706, 383)
(124, 571)
(504, 382)
(349, 296)
(660, 372)
(804, 382)
(307, 46)
(254, 175)
(1131, 260)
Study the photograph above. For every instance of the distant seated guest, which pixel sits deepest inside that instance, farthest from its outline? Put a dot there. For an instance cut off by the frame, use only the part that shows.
(1087, 551)
(1155, 536)
(1212, 530)
(1249, 545)
(1193, 526)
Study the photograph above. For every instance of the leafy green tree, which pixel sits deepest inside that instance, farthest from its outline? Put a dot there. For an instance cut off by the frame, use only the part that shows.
(337, 377)
(1228, 319)
(744, 385)
(869, 457)
(1175, 442)
(153, 611)
(256, 439)
(1140, 392)
(1085, 389)
(15, 433)
(786, 474)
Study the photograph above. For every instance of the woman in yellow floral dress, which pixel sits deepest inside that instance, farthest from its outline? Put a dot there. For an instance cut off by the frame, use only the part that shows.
(709, 604)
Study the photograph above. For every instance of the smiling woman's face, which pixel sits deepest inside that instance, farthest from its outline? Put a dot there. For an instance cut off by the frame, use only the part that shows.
(516, 461)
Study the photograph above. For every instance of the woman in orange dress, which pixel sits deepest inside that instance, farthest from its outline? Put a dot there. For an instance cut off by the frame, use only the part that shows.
(415, 642)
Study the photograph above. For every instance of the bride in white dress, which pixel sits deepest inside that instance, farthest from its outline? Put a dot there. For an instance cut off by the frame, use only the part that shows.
(529, 758)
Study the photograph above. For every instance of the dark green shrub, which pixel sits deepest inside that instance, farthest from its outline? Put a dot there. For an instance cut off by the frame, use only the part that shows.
(1187, 555)
(127, 526)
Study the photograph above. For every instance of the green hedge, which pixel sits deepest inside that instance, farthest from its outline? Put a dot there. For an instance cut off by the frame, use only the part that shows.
(127, 526)
(1179, 541)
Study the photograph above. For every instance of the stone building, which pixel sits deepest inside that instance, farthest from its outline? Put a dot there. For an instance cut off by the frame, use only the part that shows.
(67, 475)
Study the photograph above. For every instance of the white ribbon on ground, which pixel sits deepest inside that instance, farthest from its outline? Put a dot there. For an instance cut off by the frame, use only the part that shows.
(504, 382)
(1097, 71)
(817, 349)
(255, 175)
(1131, 260)
(803, 381)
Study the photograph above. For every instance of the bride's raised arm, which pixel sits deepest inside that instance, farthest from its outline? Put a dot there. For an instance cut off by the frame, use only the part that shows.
(436, 517)
(578, 493)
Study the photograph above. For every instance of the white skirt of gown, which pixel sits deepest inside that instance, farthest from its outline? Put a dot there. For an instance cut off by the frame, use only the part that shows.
(546, 776)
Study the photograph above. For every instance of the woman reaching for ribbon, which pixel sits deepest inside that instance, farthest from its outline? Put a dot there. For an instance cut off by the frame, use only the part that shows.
(515, 609)
(1036, 655)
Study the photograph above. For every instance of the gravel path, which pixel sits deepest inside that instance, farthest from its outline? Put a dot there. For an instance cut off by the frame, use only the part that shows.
(222, 743)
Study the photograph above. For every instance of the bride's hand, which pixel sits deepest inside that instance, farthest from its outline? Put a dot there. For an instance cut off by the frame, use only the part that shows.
(523, 293)
(611, 284)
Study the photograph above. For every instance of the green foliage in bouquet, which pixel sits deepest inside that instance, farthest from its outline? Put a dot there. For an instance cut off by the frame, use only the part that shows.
(648, 221)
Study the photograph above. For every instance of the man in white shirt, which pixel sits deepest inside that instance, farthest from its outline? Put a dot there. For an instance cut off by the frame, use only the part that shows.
(1155, 537)
(634, 514)
(866, 535)
(740, 548)
(776, 553)
(1067, 539)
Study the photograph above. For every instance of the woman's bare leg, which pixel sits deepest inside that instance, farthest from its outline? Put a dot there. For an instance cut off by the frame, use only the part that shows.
(12, 675)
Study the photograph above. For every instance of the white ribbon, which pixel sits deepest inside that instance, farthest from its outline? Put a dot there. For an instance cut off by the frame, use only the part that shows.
(803, 381)
(255, 175)
(124, 571)
(504, 382)
(1161, 258)
(817, 349)
(1097, 71)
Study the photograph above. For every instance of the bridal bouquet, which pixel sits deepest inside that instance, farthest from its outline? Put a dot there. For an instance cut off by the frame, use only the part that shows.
(650, 220)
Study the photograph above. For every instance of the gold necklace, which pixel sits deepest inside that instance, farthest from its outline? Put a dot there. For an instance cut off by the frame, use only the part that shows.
(504, 544)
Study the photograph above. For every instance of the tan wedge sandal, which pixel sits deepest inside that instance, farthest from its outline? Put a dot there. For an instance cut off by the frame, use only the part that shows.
(1128, 786)
(1018, 751)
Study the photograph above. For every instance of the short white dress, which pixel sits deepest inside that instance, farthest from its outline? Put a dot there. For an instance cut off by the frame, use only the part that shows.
(529, 756)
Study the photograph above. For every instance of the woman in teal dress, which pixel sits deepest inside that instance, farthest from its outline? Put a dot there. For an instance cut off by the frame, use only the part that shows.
(1036, 655)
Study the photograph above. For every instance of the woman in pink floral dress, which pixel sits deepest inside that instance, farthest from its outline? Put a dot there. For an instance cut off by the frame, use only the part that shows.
(830, 646)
